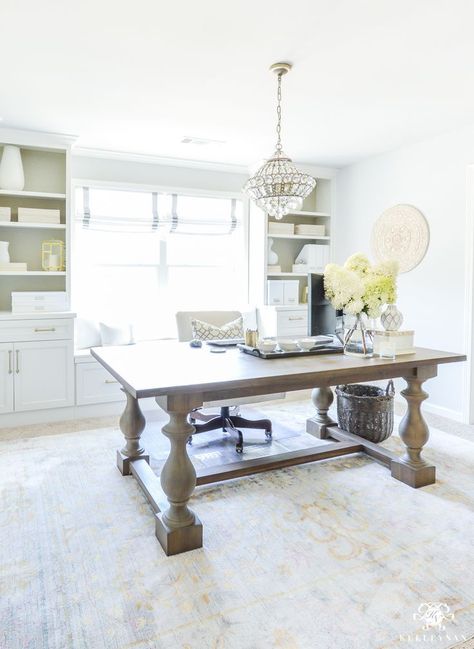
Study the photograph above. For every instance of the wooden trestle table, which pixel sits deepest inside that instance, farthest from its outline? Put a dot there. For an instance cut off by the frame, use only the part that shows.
(182, 378)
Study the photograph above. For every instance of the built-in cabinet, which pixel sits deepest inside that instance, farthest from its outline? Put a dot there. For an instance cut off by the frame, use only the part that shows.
(45, 159)
(317, 213)
(36, 363)
(6, 378)
(94, 384)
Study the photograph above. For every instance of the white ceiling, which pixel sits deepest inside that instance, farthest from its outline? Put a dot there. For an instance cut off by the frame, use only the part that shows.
(369, 75)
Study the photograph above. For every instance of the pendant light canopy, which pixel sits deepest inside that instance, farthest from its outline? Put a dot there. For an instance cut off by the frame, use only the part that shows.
(278, 187)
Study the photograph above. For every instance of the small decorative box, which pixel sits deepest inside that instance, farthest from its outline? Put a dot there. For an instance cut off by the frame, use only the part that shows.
(402, 342)
(38, 215)
(280, 228)
(37, 301)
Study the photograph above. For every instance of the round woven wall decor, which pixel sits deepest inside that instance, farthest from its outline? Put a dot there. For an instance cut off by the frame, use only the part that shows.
(401, 233)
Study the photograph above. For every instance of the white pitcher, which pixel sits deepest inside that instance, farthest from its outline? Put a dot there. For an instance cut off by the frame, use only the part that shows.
(11, 169)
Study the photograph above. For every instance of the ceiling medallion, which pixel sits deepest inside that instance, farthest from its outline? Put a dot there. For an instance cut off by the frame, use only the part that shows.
(278, 187)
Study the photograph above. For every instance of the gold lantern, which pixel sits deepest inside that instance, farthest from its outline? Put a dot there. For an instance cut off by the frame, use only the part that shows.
(52, 255)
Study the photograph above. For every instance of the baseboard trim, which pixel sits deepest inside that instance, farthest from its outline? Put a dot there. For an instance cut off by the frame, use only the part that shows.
(440, 411)
(52, 415)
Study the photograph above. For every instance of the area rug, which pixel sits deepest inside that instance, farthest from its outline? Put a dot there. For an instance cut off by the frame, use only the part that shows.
(332, 555)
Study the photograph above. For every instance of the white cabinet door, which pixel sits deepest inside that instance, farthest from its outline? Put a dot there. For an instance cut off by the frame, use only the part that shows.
(6, 377)
(44, 374)
(95, 385)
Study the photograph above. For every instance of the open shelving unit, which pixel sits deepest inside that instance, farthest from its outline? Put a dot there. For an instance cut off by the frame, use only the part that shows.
(34, 226)
(46, 168)
(317, 209)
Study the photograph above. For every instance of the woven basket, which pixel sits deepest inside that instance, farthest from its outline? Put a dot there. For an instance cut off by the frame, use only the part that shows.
(366, 410)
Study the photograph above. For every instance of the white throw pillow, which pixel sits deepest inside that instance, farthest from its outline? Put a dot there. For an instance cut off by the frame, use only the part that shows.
(206, 331)
(116, 334)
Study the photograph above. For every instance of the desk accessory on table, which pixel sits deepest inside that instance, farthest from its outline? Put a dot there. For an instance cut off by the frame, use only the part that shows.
(226, 342)
(333, 348)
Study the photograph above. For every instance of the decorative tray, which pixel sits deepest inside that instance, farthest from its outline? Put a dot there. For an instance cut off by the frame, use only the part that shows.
(333, 348)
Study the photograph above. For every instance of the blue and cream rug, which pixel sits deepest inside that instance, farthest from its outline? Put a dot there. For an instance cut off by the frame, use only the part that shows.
(334, 555)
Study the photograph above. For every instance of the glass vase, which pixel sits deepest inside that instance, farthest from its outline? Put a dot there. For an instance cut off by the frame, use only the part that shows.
(358, 339)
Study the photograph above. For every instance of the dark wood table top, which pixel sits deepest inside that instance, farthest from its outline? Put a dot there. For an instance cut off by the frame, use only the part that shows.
(168, 367)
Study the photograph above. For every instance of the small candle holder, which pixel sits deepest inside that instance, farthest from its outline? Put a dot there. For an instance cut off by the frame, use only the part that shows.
(52, 255)
(251, 337)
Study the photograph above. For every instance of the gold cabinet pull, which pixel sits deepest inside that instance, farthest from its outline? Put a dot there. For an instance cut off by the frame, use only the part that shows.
(41, 330)
(17, 361)
(295, 317)
(110, 381)
(10, 368)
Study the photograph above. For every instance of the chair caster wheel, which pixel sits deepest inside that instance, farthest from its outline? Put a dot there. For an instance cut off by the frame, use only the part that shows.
(268, 435)
(239, 449)
(190, 440)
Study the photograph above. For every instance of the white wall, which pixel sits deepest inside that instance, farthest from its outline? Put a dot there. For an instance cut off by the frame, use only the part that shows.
(147, 173)
(430, 175)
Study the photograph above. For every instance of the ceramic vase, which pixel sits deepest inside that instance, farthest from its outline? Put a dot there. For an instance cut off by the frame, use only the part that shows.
(11, 169)
(391, 318)
(272, 256)
(358, 340)
(4, 254)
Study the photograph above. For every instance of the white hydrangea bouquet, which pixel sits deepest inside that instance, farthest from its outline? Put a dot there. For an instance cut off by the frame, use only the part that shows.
(358, 287)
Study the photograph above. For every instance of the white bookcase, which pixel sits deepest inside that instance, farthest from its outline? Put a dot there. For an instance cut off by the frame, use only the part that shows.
(317, 209)
(46, 167)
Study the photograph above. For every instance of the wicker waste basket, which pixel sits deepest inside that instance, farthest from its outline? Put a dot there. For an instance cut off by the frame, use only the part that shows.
(366, 410)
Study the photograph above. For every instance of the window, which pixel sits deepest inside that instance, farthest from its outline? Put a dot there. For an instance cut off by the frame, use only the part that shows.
(141, 256)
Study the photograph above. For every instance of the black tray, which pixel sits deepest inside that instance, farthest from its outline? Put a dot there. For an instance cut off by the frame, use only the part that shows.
(316, 351)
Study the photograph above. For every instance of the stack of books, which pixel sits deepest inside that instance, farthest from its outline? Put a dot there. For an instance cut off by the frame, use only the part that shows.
(13, 266)
(38, 215)
(38, 301)
(310, 229)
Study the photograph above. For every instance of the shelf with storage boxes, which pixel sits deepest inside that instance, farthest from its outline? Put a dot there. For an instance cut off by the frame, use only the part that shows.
(298, 244)
(33, 215)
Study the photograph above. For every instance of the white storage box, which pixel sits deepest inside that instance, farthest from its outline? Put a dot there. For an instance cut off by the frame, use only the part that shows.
(283, 321)
(291, 291)
(5, 213)
(312, 230)
(275, 291)
(280, 228)
(38, 301)
(398, 342)
(283, 292)
(38, 215)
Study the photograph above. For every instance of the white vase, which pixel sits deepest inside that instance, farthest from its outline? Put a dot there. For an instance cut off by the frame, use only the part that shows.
(272, 256)
(391, 318)
(4, 254)
(11, 169)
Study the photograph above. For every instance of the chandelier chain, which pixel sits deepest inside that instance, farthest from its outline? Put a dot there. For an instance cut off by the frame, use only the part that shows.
(278, 187)
(278, 127)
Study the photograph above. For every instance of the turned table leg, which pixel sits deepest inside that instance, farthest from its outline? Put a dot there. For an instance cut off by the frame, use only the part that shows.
(322, 399)
(132, 424)
(412, 468)
(178, 529)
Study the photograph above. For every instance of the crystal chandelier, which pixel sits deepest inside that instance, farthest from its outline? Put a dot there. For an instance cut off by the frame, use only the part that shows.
(278, 187)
